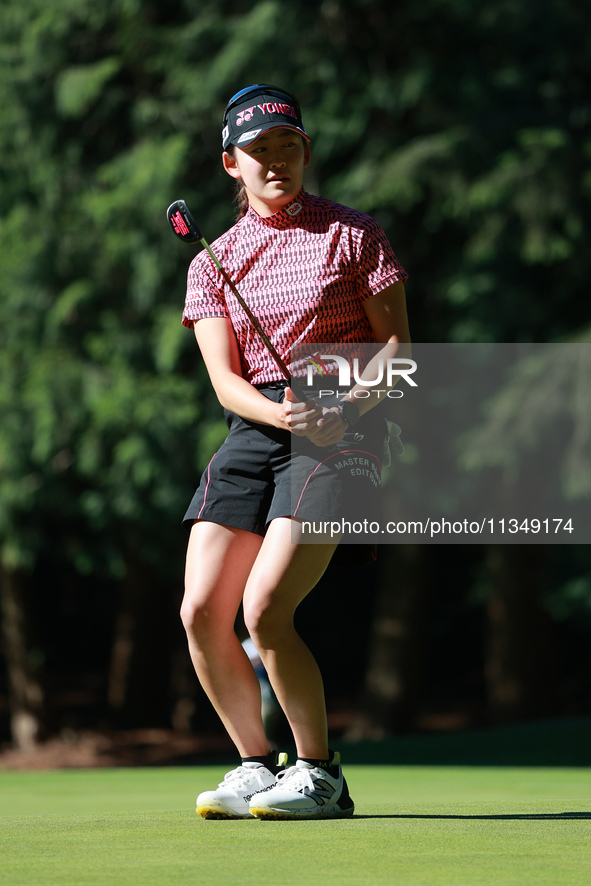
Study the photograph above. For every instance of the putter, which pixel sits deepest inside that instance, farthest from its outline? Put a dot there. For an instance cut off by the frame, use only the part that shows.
(184, 226)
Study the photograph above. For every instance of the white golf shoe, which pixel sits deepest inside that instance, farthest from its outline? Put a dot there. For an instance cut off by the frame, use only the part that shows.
(305, 791)
(231, 799)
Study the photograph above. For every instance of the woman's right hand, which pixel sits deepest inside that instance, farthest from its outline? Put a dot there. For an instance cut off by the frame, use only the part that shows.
(299, 418)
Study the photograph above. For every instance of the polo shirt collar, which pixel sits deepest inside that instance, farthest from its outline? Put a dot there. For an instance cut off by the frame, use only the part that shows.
(287, 217)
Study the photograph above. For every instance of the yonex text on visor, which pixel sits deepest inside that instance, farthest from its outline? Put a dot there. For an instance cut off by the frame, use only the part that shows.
(256, 110)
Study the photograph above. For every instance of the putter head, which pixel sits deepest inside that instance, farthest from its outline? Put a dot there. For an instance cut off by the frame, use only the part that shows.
(182, 222)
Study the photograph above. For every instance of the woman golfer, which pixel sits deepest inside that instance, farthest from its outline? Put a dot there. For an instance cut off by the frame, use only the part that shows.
(311, 271)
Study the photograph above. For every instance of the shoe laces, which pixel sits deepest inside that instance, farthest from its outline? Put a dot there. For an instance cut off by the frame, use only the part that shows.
(241, 777)
(298, 778)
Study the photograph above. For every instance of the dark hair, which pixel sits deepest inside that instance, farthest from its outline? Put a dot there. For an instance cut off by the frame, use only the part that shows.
(240, 197)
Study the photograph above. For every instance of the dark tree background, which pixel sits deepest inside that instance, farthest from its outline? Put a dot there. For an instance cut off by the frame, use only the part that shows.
(465, 129)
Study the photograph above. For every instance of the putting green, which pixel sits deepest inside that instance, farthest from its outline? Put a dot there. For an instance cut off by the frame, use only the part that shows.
(413, 825)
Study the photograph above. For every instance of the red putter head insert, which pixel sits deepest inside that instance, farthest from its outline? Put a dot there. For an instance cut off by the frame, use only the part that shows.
(182, 222)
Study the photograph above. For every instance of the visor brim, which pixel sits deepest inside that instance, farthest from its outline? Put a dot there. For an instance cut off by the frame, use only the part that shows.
(248, 138)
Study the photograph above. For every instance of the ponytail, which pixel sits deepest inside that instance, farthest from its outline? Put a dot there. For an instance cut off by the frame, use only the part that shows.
(241, 200)
(240, 197)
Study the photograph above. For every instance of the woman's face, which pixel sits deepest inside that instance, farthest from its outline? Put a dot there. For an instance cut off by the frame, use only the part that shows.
(271, 168)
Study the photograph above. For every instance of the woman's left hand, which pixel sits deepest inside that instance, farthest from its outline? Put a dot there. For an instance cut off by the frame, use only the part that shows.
(329, 429)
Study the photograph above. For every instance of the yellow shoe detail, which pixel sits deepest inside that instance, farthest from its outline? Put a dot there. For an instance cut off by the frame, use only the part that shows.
(268, 813)
(211, 812)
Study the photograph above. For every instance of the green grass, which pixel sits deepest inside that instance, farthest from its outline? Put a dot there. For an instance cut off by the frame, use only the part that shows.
(414, 825)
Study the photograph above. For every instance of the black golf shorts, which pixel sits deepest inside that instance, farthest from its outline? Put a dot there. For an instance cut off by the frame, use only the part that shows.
(261, 473)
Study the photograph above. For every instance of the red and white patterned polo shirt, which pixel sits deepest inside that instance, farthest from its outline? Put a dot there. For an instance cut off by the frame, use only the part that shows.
(304, 272)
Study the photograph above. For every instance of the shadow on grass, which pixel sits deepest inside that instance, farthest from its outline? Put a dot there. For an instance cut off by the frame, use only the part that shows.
(534, 816)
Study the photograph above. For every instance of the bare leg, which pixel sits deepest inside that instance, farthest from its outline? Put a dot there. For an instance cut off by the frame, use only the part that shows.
(219, 560)
(282, 575)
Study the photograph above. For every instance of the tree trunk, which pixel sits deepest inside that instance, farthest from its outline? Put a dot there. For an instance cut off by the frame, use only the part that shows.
(389, 696)
(139, 675)
(521, 656)
(26, 694)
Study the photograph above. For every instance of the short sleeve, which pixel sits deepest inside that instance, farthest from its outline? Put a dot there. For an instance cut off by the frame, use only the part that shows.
(205, 297)
(377, 264)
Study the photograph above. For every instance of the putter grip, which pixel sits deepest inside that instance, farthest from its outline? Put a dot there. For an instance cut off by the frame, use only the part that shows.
(294, 384)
